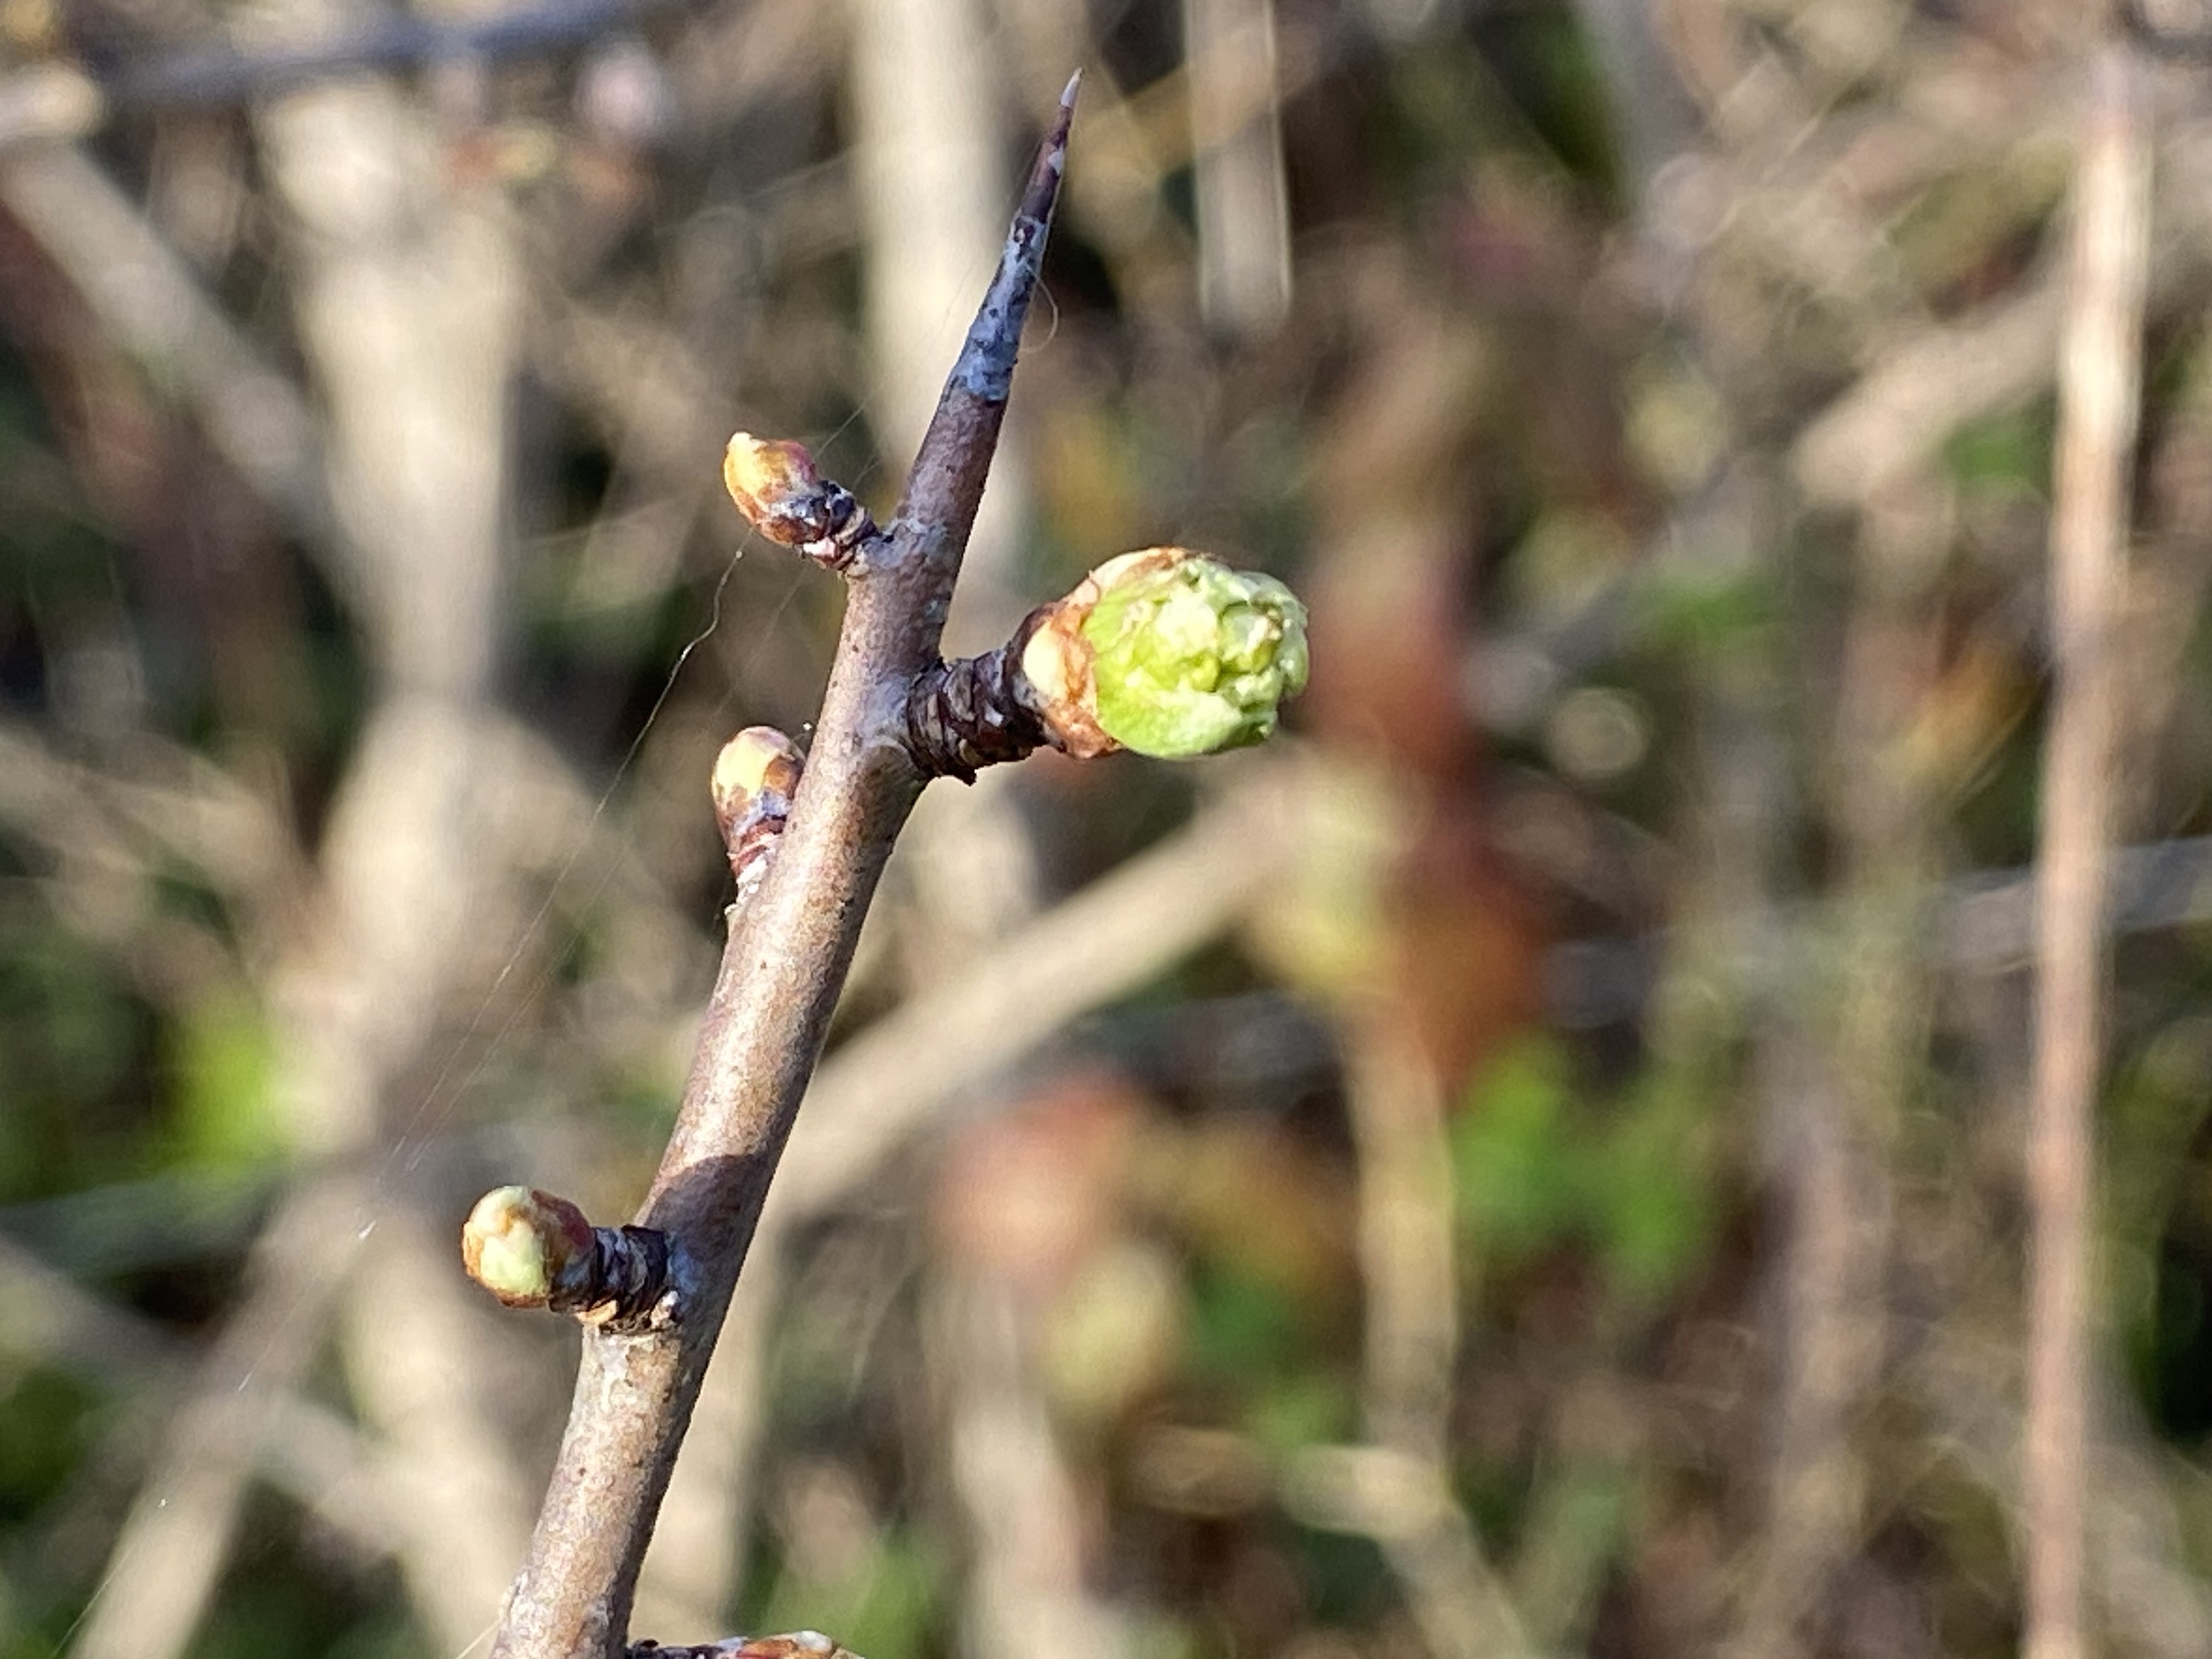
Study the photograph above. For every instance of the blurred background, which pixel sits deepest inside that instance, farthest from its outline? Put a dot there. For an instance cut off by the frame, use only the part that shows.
(1530, 1163)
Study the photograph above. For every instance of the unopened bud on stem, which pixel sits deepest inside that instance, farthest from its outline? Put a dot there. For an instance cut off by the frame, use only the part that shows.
(800, 1645)
(758, 760)
(523, 1245)
(776, 486)
(1168, 652)
(535, 1249)
(755, 775)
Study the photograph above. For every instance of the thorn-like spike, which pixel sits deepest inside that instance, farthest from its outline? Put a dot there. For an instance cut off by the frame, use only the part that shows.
(1051, 158)
(986, 367)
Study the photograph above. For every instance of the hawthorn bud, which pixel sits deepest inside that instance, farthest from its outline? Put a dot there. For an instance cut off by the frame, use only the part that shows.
(759, 761)
(755, 775)
(1168, 652)
(775, 484)
(531, 1249)
(800, 1645)
(525, 1246)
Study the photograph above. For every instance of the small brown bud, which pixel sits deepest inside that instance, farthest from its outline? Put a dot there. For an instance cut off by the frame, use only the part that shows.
(777, 487)
(759, 758)
(800, 1645)
(755, 775)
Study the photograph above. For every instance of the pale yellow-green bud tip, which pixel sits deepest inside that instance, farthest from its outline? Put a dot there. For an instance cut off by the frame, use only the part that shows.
(521, 1244)
(1170, 654)
(758, 758)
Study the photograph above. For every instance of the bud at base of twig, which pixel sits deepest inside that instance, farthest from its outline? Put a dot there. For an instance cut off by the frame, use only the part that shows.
(964, 715)
(535, 1249)
(755, 775)
(775, 484)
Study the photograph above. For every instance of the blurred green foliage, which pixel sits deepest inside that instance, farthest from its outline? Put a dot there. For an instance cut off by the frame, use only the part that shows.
(1541, 1164)
(221, 1074)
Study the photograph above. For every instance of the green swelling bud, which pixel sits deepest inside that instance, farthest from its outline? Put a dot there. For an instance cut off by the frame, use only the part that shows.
(525, 1246)
(1169, 654)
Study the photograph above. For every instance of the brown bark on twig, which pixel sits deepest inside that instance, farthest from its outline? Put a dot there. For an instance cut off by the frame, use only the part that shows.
(2100, 377)
(972, 713)
(780, 973)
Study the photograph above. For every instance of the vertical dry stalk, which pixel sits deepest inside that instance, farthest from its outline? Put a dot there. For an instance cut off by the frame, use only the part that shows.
(2100, 376)
(1841, 1065)
(1243, 204)
(1409, 1270)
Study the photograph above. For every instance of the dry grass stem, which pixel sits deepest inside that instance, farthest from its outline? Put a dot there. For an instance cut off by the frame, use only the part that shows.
(1402, 1493)
(2099, 382)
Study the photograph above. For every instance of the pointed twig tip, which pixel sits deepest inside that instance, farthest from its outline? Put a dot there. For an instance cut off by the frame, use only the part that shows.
(1051, 158)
